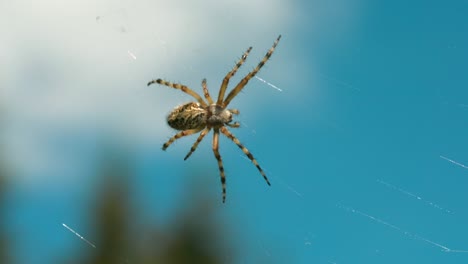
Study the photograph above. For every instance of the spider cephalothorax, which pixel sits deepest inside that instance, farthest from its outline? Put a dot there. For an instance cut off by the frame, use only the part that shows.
(194, 117)
(217, 116)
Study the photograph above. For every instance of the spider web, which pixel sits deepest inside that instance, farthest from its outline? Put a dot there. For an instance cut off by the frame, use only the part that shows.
(53, 112)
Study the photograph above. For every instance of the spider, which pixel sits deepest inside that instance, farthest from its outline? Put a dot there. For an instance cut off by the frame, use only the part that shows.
(193, 117)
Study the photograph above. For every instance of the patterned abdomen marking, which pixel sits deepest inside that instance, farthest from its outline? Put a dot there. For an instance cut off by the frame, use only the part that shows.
(188, 116)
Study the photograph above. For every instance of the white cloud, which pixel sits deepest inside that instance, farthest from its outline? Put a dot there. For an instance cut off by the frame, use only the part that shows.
(66, 67)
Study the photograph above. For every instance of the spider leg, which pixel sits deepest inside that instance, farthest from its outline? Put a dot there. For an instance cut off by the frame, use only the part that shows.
(224, 85)
(206, 93)
(199, 139)
(179, 135)
(249, 76)
(234, 125)
(228, 134)
(181, 87)
(220, 162)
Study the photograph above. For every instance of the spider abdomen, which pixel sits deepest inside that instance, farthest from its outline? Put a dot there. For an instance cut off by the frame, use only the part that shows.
(187, 116)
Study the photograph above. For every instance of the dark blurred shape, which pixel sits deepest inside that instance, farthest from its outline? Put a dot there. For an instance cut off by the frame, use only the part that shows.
(197, 236)
(122, 236)
(5, 240)
(112, 215)
(5, 249)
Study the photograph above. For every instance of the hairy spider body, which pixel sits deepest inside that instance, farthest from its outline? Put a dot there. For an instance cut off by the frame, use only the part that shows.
(187, 116)
(218, 116)
(193, 117)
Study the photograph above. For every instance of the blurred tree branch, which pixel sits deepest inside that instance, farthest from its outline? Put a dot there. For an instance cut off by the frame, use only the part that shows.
(4, 254)
(194, 238)
(5, 240)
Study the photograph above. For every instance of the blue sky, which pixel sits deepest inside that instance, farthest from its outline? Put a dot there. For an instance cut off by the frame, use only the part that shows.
(365, 145)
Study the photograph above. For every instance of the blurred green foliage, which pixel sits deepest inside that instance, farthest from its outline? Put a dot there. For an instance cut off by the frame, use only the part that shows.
(4, 249)
(121, 236)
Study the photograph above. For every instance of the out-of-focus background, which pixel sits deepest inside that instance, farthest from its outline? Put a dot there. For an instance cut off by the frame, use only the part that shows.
(360, 124)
